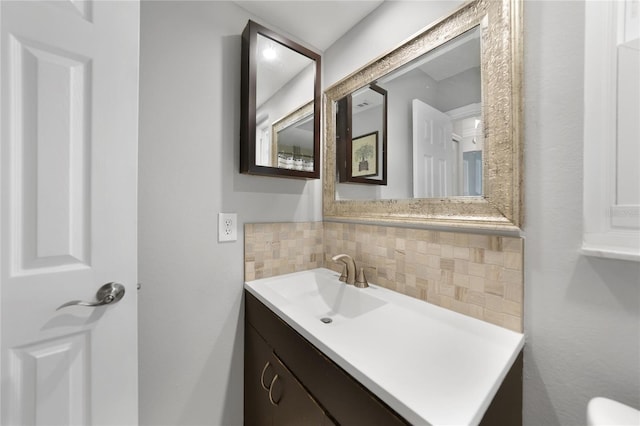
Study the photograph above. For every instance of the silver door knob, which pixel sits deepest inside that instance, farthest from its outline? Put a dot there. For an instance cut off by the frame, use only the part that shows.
(109, 293)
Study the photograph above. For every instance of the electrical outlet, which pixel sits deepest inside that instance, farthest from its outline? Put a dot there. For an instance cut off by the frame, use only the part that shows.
(227, 227)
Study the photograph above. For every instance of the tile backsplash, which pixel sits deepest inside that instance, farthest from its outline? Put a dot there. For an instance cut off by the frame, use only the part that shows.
(476, 275)
(280, 248)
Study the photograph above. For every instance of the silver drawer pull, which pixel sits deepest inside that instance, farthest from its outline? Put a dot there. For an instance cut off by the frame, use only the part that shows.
(264, 370)
(271, 390)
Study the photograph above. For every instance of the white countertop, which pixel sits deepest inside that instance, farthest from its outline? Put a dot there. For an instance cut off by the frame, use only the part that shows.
(431, 365)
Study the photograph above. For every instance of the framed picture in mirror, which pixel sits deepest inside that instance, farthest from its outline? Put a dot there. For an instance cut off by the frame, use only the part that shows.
(364, 155)
(362, 158)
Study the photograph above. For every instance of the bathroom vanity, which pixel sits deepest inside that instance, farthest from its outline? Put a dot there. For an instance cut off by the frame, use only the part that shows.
(320, 352)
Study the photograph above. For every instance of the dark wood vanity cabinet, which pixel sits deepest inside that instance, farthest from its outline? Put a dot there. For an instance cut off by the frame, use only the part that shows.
(312, 390)
(273, 396)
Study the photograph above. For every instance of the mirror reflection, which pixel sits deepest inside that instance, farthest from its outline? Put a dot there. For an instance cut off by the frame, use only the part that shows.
(434, 134)
(284, 81)
(280, 106)
(361, 123)
(292, 144)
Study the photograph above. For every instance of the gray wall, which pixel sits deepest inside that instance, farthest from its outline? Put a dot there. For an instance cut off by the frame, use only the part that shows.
(190, 313)
(581, 315)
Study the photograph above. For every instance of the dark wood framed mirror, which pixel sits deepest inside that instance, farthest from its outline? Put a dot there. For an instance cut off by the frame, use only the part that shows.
(361, 136)
(280, 106)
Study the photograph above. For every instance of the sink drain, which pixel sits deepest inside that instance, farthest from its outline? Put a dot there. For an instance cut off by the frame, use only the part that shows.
(326, 320)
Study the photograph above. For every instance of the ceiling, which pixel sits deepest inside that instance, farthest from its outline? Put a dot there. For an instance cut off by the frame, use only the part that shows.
(319, 23)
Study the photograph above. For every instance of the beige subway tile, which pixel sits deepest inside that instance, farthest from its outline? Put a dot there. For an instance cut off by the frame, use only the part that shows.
(420, 283)
(461, 280)
(494, 287)
(461, 266)
(513, 292)
(510, 276)
(461, 253)
(411, 246)
(476, 255)
(411, 280)
(412, 291)
(492, 272)
(422, 271)
(492, 257)
(495, 243)
(446, 264)
(420, 258)
(446, 251)
(432, 261)
(512, 323)
(493, 302)
(446, 289)
(476, 269)
(494, 317)
(476, 283)
(459, 293)
(512, 308)
(447, 238)
(475, 311)
(475, 298)
(446, 301)
(512, 244)
(435, 274)
(400, 265)
(513, 260)
(432, 237)
(446, 277)
(467, 309)
(461, 240)
(434, 298)
(410, 268)
(249, 271)
(433, 248)
(479, 241)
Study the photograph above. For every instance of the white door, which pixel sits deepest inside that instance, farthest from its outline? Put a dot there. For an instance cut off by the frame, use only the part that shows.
(68, 177)
(433, 154)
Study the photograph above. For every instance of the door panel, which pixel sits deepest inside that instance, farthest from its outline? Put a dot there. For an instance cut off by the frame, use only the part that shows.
(68, 167)
(433, 154)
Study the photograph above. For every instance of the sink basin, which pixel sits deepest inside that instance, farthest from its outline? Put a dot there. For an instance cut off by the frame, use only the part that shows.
(323, 296)
(431, 365)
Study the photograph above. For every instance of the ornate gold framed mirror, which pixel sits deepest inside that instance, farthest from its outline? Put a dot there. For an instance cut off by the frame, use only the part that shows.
(455, 156)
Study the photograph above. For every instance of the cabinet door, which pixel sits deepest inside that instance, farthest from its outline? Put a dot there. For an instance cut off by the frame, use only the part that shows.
(294, 404)
(259, 369)
(271, 400)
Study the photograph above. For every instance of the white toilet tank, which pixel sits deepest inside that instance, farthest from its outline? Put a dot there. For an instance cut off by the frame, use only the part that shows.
(607, 412)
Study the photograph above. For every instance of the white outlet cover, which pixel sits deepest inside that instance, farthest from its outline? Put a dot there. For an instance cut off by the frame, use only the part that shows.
(227, 227)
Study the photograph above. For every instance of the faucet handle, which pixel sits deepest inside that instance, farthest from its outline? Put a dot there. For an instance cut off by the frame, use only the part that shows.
(361, 280)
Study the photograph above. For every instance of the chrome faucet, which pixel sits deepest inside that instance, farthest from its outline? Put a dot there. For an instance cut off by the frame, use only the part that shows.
(350, 264)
